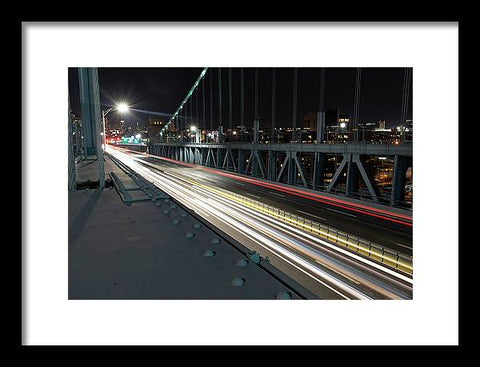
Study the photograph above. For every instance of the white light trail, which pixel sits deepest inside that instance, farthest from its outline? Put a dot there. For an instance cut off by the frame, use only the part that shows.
(279, 238)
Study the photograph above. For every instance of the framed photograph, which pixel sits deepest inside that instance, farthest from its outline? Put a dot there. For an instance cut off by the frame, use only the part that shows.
(200, 172)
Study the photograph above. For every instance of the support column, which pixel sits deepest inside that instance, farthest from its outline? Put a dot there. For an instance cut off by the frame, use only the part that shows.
(352, 177)
(92, 117)
(221, 137)
(320, 127)
(318, 170)
(72, 177)
(192, 155)
(272, 165)
(291, 170)
(400, 167)
(87, 103)
(241, 161)
(256, 128)
(254, 163)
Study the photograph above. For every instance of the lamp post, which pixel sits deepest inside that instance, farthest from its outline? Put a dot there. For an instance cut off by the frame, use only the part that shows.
(122, 108)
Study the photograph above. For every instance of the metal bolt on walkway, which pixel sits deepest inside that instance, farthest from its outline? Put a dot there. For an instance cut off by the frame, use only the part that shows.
(238, 282)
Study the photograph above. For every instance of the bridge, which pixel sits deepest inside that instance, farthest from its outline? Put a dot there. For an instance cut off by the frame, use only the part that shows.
(303, 205)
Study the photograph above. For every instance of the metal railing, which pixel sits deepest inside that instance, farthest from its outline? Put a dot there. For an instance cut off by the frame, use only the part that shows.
(354, 244)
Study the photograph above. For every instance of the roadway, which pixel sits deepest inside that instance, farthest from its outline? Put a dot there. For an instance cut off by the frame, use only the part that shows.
(322, 266)
(386, 229)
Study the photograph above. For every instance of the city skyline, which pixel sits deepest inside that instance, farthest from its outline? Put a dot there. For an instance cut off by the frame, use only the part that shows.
(159, 91)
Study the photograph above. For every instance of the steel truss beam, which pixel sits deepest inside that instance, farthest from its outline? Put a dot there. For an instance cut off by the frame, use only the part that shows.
(229, 157)
(292, 165)
(350, 162)
(341, 148)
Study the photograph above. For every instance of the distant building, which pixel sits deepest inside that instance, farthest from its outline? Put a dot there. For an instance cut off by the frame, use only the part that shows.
(310, 121)
(154, 125)
(333, 118)
(343, 121)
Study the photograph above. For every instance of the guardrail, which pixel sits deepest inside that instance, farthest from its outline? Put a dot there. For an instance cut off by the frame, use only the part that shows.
(355, 244)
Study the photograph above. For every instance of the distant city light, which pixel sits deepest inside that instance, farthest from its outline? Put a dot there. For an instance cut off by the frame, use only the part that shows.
(193, 128)
(343, 125)
(138, 136)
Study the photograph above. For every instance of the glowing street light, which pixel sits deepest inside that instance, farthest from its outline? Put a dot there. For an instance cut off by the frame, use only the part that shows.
(122, 107)
(193, 129)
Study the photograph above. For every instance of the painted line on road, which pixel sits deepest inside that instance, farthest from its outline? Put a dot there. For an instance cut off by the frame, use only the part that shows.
(312, 215)
(274, 193)
(338, 211)
(255, 196)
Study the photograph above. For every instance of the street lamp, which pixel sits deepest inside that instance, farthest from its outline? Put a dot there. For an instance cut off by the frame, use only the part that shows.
(122, 108)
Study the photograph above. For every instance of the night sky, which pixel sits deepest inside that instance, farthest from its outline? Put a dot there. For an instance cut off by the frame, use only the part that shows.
(159, 91)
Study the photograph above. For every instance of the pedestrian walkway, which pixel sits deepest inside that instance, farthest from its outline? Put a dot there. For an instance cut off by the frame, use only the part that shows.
(157, 249)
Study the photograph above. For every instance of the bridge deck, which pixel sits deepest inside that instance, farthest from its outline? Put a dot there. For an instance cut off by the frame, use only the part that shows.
(157, 250)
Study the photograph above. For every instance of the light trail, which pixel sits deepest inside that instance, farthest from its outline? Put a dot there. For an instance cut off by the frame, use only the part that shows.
(390, 288)
(359, 208)
(205, 204)
(355, 278)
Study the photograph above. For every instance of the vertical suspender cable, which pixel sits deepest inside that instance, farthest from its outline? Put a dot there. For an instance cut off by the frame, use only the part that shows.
(321, 107)
(219, 96)
(242, 97)
(72, 180)
(230, 97)
(356, 110)
(256, 94)
(204, 122)
(294, 117)
(273, 104)
(405, 98)
(321, 104)
(211, 101)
